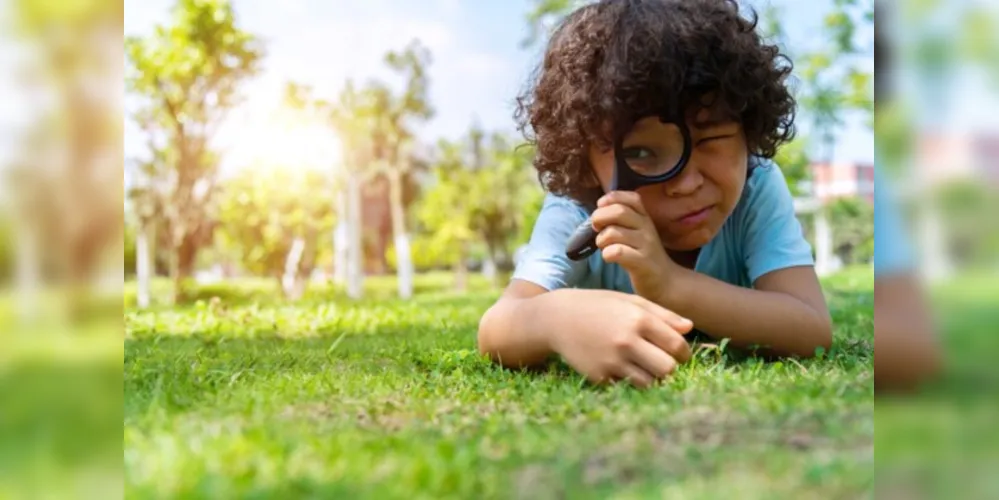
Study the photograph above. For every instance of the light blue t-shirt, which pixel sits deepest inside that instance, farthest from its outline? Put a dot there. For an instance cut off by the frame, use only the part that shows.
(892, 252)
(761, 235)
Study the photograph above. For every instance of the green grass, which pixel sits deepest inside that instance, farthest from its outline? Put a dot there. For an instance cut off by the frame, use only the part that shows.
(943, 442)
(253, 397)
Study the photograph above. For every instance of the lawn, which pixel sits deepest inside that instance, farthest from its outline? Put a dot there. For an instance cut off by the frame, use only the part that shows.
(248, 396)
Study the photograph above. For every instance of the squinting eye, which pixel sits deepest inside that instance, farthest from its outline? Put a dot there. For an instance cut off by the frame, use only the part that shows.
(708, 139)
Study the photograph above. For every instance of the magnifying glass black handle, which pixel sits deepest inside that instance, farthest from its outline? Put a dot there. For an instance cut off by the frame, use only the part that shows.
(583, 241)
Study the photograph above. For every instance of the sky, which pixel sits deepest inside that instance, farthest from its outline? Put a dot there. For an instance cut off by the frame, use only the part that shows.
(478, 65)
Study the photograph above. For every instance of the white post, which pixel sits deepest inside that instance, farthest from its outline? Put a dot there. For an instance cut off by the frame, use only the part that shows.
(355, 257)
(403, 254)
(341, 243)
(291, 263)
(823, 244)
(825, 263)
(489, 268)
(932, 238)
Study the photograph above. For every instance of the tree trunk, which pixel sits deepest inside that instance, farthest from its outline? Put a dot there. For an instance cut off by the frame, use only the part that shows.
(404, 257)
(185, 255)
(341, 238)
(461, 268)
(143, 264)
(355, 255)
(28, 270)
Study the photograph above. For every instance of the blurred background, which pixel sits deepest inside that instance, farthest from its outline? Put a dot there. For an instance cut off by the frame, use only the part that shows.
(324, 144)
(318, 147)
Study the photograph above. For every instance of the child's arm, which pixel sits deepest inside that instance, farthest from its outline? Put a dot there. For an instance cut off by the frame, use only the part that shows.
(512, 331)
(907, 349)
(604, 335)
(785, 312)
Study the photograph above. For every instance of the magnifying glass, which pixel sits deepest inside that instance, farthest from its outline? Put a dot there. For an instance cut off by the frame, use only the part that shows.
(635, 166)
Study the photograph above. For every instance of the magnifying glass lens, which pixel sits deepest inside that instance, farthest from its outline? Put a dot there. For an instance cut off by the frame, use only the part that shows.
(657, 154)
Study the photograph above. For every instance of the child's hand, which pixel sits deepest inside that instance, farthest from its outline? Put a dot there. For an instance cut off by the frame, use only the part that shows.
(607, 335)
(628, 237)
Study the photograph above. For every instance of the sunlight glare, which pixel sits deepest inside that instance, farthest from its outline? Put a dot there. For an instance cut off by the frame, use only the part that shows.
(287, 139)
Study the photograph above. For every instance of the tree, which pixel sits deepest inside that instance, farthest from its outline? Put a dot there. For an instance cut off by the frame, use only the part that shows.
(504, 188)
(276, 219)
(62, 182)
(794, 162)
(393, 143)
(350, 119)
(148, 203)
(188, 76)
(483, 193)
(836, 76)
(445, 210)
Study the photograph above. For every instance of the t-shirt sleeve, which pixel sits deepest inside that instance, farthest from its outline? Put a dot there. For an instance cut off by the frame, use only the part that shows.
(892, 252)
(773, 236)
(543, 261)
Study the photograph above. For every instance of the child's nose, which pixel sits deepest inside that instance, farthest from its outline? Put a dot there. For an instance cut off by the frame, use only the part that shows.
(688, 182)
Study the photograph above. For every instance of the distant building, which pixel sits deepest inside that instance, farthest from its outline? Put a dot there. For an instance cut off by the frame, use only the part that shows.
(831, 180)
(948, 157)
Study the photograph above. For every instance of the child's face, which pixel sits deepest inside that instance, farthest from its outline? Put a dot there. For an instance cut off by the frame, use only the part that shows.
(689, 209)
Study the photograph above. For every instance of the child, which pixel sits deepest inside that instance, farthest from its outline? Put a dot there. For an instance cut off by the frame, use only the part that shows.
(717, 247)
(906, 340)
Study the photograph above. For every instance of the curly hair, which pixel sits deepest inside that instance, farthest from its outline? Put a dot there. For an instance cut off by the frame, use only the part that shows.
(612, 62)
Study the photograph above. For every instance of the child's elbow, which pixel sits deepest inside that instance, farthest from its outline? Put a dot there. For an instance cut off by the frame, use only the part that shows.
(820, 341)
(484, 338)
(493, 326)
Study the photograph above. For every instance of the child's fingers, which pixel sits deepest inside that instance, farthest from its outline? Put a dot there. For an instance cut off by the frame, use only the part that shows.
(679, 323)
(635, 375)
(653, 359)
(624, 255)
(629, 198)
(618, 234)
(669, 340)
(617, 214)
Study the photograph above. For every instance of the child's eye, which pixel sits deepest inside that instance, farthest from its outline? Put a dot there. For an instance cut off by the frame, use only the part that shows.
(712, 138)
(639, 153)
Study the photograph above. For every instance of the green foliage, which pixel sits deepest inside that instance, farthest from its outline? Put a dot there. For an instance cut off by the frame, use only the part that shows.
(534, 199)
(895, 131)
(262, 211)
(481, 194)
(543, 14)
(967, 209)
(793, 160)
(186, 76)
(835, 76)
(947, 36)
(193, 68)
(329, 398)
(445, 212)
(852, 221)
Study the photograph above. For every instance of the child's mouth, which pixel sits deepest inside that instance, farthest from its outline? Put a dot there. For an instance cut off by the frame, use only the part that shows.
(695, 218)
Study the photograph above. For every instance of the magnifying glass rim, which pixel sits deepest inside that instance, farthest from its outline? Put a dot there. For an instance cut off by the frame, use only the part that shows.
(639, 180)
